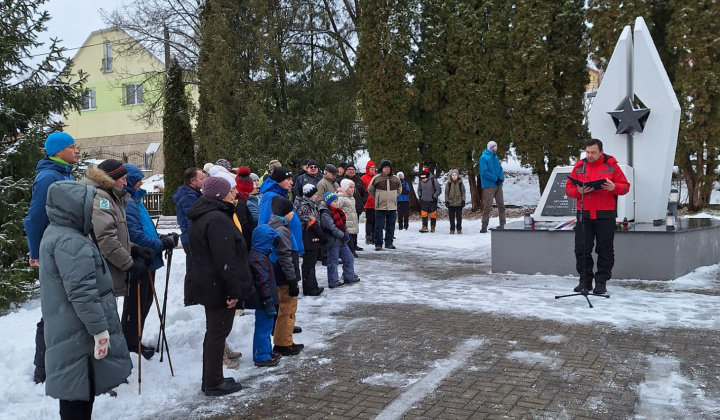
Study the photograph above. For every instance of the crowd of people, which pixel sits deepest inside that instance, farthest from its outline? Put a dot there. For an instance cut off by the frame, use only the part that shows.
(250, 242)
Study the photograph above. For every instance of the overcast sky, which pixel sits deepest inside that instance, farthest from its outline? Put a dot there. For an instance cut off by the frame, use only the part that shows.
(73, 20)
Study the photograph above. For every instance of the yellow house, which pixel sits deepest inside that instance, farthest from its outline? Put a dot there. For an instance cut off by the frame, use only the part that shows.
(123, 79)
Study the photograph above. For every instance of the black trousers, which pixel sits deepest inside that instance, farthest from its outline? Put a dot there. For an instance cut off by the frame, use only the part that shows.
(218, 324)
(599, 234)
(187, 286)
(369, 224)
(80, 410)
(40, 351)
(130, 310)
(352, 243)
(309, 281)
(403, 214)
(455, 214)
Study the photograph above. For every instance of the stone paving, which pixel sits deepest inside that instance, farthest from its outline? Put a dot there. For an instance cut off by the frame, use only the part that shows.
(419, 362)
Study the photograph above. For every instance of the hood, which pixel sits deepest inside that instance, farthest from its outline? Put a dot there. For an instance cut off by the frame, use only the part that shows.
(100, 178)
(133, 176)
(487, 152)
(369, 164)
(263, 239)
(184, 190)
(70, 204)
(49, 164)
(270, 185)
(205, 205)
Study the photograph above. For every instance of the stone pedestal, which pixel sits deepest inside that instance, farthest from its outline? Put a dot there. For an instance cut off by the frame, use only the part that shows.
(643, 251)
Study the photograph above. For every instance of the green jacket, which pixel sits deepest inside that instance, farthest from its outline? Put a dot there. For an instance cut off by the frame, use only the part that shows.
(454, 192)
(76, 295)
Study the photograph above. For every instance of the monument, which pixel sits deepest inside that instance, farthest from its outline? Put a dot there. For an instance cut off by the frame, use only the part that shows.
(637, 117)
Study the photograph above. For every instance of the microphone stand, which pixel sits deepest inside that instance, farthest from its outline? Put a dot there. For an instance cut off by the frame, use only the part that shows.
(581, 220)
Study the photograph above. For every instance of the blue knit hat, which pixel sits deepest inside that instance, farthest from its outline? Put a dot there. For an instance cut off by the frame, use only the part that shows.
(329, 197)
(56, 142)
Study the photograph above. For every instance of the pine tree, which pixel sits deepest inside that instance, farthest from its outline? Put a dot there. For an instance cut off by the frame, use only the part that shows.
(30, 95)
(178, 145)
(693, 38)
(387, 97)
(546, 83)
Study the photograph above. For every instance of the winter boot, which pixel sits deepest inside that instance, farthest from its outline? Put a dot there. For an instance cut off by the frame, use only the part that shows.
(424, 227)
(289, 350)
(600, 288)
(583, 282)
(484, 229)
(432, 224)
(452, 231)
(368, 240)
(230, 363)
(432, 228)
(459, 232)
(232, 355)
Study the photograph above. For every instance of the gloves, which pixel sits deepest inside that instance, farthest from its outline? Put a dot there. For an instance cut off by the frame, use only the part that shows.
(170, 236)
(294, 290)
(346, 238)
(138, 271)
(146, 254)
(499, 181)
(102, 344)
(270, 307)
(462, 204)
(167, 242)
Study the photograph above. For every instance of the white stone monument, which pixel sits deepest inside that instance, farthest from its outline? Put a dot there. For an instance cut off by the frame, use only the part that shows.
(643, 140)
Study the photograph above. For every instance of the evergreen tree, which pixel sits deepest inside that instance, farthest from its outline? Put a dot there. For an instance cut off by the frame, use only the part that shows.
(178, 145)
(387, 97)
(693, 38)
(546, 83)
(30, 95)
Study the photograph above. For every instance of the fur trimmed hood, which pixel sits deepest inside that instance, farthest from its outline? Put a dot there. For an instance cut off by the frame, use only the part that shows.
(100, 178)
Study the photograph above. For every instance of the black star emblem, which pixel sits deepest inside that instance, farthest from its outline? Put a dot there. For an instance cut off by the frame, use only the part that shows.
(628, 119)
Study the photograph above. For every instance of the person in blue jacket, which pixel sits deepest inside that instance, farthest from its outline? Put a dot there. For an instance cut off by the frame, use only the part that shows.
(184, 198)
(491, 179)
(143, 233)
(403, 203)
(57, 165)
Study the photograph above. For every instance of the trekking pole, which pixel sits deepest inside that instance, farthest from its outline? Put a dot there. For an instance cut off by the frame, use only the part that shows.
(162, 327)
(169, 254)
(139, 337)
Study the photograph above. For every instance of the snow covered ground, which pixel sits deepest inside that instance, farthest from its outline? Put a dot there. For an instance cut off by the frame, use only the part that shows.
(474, 290)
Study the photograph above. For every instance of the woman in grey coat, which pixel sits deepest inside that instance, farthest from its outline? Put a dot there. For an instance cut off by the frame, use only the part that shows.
(86, 350)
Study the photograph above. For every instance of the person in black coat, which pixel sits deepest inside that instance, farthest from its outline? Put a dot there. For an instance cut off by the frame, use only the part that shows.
(220, 276)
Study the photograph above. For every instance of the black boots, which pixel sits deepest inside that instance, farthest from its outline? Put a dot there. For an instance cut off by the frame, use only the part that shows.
(584, 282)
(600, 288)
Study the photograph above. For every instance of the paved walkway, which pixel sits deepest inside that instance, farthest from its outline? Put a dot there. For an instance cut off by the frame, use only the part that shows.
(418, 361)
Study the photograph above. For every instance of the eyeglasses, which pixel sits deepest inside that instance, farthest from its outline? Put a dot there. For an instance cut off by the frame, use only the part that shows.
(312, 167)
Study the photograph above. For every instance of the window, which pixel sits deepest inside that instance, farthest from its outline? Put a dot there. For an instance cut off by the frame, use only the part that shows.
(133, 94)
(88, 100)
(107, 58)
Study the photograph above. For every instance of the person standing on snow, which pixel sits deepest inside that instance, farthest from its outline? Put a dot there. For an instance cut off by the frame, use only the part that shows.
(184, 198)
(369, 203)
(86, 351)
(57, 165)
(455, 200)
(491, 180)
(429, 191)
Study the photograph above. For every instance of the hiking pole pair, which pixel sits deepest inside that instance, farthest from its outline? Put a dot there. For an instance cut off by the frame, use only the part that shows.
(162, 323)
(163, 314)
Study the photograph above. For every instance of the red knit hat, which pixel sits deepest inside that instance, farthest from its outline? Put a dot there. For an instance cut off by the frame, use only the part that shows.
(244, 182)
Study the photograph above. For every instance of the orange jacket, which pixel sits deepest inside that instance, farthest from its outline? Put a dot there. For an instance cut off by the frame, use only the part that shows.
(599, 204)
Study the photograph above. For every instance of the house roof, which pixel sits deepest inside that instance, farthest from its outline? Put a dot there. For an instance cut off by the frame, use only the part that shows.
(101, 31)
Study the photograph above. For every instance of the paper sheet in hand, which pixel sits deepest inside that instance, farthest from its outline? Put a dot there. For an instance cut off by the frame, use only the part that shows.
(592, 184)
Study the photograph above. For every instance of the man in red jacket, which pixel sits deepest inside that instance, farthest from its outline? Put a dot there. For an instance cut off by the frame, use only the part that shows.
(599, 213)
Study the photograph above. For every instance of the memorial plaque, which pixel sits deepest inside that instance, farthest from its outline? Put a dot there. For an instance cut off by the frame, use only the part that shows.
(558, 204)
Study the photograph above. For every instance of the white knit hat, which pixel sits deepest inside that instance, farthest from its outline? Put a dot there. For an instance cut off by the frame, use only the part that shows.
(346, 183)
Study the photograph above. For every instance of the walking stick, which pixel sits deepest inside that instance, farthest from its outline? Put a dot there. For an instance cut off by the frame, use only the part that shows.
(139, 337)
(162, 327)
(168, 255)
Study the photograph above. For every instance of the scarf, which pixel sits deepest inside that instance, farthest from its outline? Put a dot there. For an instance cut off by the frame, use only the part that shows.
(339, 218)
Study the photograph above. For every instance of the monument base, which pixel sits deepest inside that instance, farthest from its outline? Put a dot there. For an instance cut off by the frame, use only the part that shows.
(643, 251)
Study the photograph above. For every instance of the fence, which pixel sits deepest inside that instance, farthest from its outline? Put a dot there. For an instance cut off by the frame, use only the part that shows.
(152, 202)
(141, 160)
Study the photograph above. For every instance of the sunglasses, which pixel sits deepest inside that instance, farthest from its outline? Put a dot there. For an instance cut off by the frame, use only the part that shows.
(312, 167)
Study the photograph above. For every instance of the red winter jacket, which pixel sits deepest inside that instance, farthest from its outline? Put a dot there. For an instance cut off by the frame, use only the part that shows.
(599, 204)
(366, 178)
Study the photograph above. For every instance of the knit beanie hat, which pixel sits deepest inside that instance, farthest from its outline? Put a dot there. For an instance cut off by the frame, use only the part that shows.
(454, 171)
(424, 173)
(305, 162)
(346, 183)
(274, 164)
(224, 163)
(280, 174)
(244, 182)
(385, 163)
(55, 142)
(309, 190)
(401, 175)
(491, 145)
(207, 167)
(350, 165)
(216, 187)
(329, 197)
(312, 162)
(342, 165)
(254, 176)
(331, 168)
(281, 206)
(114, 168)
